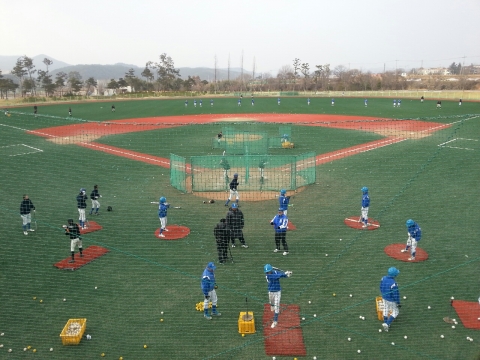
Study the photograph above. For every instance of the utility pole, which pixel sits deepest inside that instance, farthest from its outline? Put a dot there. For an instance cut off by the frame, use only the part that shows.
(241, 73)
(253, 74)
(228, 72)
(215, 76)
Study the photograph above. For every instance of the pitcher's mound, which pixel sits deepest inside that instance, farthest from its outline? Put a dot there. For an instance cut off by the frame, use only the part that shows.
(174, 232)
(353, 222)
(394, 251)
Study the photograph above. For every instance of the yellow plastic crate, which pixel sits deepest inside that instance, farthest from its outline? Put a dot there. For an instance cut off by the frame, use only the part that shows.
(246, 323)
(379, 302)
(73, 339)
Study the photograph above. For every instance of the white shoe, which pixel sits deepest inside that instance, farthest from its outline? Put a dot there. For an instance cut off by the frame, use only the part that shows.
(285, 253)
(385, 327)
(31, 230)
(273, 324)
(272, 308)
(25, 233)
(403, 250)
(245, 246)
(412, 258)
(276, 250)
(165, 229)
(364, 226)
(161, 235)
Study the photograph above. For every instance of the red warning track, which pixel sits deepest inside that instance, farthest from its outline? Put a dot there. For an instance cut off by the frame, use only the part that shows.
(86, 133)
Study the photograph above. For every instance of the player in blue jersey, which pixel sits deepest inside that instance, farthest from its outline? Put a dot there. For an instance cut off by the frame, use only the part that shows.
(399, 102)
(278, 101)
(308, 101)
(194, 103)
(273, 277)
(253, 101)
(390, 296)
(394, 102)
(283, 201)
(333, 102)
(200, 103)
(239, 102)
(280, 225)
(208, 286)
(414, 236)
(211, 102)
(186, 103)
(365, 205)
(365, 102)
(162, 214)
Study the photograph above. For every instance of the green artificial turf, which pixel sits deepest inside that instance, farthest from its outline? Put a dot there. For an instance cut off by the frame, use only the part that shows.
(142, 276)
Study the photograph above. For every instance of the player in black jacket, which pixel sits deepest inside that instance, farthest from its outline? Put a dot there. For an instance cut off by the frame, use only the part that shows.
(73, 230)
(221, 234)
(235, 223)
(26, 206)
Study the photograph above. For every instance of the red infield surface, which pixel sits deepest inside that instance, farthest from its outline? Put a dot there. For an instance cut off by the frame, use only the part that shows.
(92, 226)
(89, 254)
(393, 251)
(291, 226)
(286, 339)
(352, 222)
(174, 232)
(84, 134)
(468, 312)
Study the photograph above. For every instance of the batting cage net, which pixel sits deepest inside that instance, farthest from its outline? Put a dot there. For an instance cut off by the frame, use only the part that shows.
(255, 172)
(147, 183)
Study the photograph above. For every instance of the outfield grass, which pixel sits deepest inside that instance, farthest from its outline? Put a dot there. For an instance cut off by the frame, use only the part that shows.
(142, 276)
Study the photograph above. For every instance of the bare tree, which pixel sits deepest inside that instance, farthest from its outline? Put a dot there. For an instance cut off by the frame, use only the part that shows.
(305, 69)
(285, 74)
(296, 68)
(47, 62)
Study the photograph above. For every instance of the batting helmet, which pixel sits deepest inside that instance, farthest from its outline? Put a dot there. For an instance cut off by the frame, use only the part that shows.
(283, 191)
(280, 209)
(409, 223)
(234, 206)
(83, 190)
(163, 199)
(235, 175)
(267, 268)
(211, 265)
(393, 271)
(364, 189)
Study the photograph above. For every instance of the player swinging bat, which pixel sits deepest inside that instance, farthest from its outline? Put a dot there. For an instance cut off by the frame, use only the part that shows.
(162, 213)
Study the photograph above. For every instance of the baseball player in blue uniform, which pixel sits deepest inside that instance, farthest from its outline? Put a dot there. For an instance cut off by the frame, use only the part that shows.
(26, 206)
(194, 103)
(186, 103)
(399, 102)
(82, 205)
(284, 138)
(366, 102)
(233, 189)
(239, 102)
(273, 277)
(280, 224)
(365, 205)
(73, 231)
(253, 101)
(414, 236)
(394, 103)
(162, 214)
(283, 201)
(333, 102)
(208, 286)
(200, 102)
(94, 196)
(211, 102)
(390, 296)
(308, 101)
(278, 101)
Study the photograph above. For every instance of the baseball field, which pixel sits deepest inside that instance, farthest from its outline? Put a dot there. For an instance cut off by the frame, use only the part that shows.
(419, 162)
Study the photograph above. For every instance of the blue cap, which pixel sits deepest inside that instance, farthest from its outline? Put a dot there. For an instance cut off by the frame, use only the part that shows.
(280, 209)
(234, 206)
(267, 268)
(211, 265)
(364, 189)
(409, 223)
(393, 271)
(283, 191)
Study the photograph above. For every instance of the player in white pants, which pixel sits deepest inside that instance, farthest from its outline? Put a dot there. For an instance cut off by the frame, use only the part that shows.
(274, 290)
(233, 190)
(414, 236)
(390, 297)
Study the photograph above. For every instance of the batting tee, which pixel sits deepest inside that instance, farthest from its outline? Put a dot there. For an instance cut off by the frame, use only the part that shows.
(255, 172)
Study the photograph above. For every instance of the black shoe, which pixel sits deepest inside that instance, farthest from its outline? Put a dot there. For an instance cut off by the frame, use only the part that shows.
(81, 255)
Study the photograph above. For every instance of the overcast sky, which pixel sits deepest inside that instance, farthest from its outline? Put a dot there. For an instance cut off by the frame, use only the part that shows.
(357, 34)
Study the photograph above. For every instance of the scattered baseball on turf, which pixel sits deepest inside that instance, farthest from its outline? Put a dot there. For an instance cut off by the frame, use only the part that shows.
(334, 294)
(379, 330)
(29, 347)
(1, 345)
(41, 301)
(145, 346)
(34, 350)
(349, 339)
(468, 338)
(359, 351)
(25, 349)
(428, 307)
(314, 315)
(95, 288)
(4, 333)
(161, 320)
(51, 349)
(311, 302)
(326, 254)
(452, 298)
(34, 298)
(351, 295)
(471, 339)
(453, 326)
(64, 299)
(303, 318)
(405, 337)
(9, 350)
(363, 317)
(161, 312)
(404, 297)
(393, 343)
(442, 336)
(102, 354)
(314, 358)
(243, 335)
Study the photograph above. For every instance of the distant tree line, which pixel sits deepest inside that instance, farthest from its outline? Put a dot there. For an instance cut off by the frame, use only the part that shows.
(163, 76)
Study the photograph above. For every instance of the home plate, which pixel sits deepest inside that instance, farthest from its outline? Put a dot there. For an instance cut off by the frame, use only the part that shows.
(353, 222)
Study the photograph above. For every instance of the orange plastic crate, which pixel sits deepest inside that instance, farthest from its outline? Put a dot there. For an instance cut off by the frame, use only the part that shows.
(73, 339)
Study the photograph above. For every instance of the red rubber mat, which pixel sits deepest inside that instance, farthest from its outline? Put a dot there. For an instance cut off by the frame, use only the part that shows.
(468, 312)
(352, 222)
(290, 226)
(91, 227)
(286, 339)
(174, 232)
(393, 251)
(89, 254)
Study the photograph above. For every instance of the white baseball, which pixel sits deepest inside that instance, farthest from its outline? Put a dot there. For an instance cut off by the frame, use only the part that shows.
(393, 343)
(442, 336)
(326, 254)
(351, 295)
(311, 302)
(51, 349)
(303, 318)
(379, 330)
(64, 299)
(349, 339)
(314, 315)
(359, 351)
(404, 297)
(95, 288)
(453, 326)
(161, 312)
(428, 307)
(405, 337)
(452, 298)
